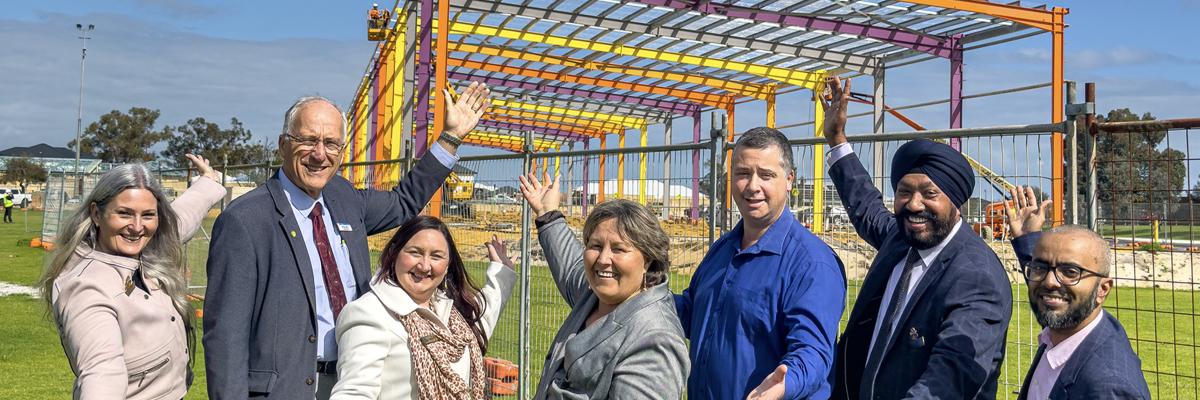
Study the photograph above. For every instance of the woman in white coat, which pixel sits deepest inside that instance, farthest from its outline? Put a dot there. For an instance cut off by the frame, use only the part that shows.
(422, 331)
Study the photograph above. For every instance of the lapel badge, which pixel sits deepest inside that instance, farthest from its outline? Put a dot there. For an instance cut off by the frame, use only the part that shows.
(293, 233)
(916, 337)
(129, 285)
(429, 339)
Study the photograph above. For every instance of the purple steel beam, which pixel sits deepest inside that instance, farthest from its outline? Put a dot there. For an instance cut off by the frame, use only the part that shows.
(929, 44)
(956, 86)
(515, 126)
(587, 144)
(696, 168)
(423, 72)
(674, 107)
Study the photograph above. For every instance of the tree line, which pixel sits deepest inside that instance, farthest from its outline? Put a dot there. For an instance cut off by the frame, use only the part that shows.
(125, 137)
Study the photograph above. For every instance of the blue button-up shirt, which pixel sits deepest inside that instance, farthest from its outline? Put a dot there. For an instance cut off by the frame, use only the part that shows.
(747, 311)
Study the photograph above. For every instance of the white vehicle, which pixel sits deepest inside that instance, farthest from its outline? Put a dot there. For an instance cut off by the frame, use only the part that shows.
(20, 199)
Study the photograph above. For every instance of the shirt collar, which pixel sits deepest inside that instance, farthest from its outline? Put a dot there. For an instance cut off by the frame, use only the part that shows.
(395, 299)
(928, 256)
(1059, 354)
(772, 241)
(300, 201)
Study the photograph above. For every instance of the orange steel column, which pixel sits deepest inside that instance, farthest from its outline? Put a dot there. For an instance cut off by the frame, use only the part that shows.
(439, 111)
(729, 158)
(600, 181)
(381, 117)
(1056, 112)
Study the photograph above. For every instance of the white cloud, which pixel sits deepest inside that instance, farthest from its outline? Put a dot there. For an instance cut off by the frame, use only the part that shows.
(137, 63)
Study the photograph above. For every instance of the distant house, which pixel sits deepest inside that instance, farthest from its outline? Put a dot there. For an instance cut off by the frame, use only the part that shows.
(54, 159)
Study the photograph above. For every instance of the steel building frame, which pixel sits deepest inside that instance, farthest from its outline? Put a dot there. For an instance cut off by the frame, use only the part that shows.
(572, 70)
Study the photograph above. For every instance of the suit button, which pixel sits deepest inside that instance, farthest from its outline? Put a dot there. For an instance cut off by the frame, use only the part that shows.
(312, 339)
(147, 297)
(172, 318)
(309, 381)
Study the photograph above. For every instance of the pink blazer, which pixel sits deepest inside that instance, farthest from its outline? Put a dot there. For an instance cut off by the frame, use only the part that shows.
(126, 344)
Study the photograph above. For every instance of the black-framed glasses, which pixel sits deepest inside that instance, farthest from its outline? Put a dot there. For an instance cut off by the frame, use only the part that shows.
(308, 143)
(1067, 274)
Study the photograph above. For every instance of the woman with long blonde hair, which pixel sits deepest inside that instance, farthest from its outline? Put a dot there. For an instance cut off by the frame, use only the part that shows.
(117, 289)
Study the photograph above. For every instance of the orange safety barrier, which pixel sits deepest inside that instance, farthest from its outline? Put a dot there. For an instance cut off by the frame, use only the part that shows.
(502, 376)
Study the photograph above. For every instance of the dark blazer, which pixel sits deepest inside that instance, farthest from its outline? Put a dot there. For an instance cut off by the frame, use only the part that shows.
(1104, 365)
(259, 322)
(949, 340)
(635, 352)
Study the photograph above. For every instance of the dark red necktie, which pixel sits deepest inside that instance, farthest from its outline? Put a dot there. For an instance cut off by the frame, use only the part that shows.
(329, 267)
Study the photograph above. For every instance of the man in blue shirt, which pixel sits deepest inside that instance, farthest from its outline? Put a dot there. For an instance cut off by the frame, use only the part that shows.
(762, 309)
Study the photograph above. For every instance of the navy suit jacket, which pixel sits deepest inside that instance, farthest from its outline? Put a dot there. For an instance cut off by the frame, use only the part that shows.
(1103, 367)
(259, 322)
(949, 339)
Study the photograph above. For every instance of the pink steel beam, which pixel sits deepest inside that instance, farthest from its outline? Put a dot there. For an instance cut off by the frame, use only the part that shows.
(674, 107)
(930, 44)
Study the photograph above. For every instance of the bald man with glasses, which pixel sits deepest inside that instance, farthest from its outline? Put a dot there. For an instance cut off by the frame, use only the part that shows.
(1083, 352)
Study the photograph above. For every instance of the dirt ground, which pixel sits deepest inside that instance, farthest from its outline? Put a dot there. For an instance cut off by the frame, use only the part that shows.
(1165, 270)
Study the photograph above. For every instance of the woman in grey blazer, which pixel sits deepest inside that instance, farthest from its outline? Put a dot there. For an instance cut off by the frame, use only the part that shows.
(622, 339)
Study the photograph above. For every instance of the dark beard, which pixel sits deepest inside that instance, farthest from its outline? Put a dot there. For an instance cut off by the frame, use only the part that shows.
(1073, 316)
(940, 229)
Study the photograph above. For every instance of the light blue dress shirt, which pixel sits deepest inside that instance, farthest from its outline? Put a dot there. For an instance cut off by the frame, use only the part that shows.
(302, 205)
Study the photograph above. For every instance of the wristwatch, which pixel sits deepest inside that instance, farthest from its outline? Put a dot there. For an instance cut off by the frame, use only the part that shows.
(450, 139)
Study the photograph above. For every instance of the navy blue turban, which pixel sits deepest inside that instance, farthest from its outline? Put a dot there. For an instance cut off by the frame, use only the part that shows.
(946, 167)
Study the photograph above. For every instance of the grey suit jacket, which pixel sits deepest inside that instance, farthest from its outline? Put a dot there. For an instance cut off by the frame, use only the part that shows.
(259, 322)
(635, 352)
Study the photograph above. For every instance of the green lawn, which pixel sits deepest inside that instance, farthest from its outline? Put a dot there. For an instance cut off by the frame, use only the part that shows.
(1161, 323)
(1145, 230)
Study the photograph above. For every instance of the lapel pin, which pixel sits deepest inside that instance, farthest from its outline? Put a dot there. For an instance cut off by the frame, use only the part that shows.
(293, 233)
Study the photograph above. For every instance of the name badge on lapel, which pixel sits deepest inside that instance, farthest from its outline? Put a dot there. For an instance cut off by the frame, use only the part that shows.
(344, 227)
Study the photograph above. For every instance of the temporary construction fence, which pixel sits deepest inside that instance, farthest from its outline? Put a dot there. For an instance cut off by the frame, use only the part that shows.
(1155, 296)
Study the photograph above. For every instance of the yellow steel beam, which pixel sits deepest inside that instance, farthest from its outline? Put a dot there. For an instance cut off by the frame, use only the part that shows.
(507, 142)
(756, 91)
(604, 126)
(626, 121)
(810, 80)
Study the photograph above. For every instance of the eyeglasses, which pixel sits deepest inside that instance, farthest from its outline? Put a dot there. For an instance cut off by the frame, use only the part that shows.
(1067, 274)
(307, 143)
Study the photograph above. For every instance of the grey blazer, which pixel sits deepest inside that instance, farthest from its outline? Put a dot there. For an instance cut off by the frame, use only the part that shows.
(259, 323)
(635, 352)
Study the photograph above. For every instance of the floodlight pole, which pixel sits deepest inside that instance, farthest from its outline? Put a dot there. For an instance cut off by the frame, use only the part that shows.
(83, 38)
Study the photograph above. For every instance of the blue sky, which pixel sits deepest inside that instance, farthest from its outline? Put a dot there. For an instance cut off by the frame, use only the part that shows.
(250, 59)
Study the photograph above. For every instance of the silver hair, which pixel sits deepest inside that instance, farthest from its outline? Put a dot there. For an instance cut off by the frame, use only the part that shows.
(161, 261)
(293, 112)
(1088, 235)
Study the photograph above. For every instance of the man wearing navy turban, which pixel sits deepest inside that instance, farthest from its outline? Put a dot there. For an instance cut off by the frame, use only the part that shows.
(931, 317)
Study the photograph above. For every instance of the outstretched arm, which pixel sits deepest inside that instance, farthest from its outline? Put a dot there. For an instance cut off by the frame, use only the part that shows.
(1025, 219)
(863, 201)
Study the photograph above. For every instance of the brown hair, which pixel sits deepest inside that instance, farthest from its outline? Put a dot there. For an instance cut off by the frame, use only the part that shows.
(640, 227)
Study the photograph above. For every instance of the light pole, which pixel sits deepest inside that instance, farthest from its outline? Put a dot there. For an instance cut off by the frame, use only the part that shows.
(83, 38)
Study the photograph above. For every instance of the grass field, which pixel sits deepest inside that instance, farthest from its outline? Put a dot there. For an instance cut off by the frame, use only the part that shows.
(1161, 323)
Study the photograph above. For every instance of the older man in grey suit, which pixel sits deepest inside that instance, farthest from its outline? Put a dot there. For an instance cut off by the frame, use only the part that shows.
(286, 257)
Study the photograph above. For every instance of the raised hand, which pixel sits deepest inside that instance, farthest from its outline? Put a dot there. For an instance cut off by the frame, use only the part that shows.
(835, 110)
(772, 387)
(543, 196)
(498, 252)
(1025, 215)
(464, 113)
(201, 165)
